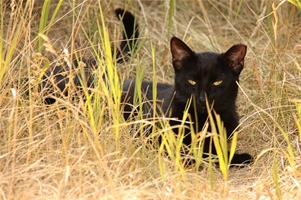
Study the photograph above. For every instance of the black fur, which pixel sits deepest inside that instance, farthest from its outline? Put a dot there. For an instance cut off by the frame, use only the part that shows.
(130, 34)
(202, 76)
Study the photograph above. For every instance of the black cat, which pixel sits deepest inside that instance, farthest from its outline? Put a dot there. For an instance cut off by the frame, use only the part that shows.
(58, 77)
(202, 76)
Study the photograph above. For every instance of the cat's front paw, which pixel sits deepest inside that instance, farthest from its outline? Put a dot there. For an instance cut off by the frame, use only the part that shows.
(241, 160)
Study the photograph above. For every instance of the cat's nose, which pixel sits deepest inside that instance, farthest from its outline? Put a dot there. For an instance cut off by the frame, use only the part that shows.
(202, 97)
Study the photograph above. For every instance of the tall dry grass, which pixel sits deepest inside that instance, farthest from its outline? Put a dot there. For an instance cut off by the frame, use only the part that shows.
(78, 149)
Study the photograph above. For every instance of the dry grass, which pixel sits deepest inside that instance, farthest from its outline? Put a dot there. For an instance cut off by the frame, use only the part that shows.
(84, 151)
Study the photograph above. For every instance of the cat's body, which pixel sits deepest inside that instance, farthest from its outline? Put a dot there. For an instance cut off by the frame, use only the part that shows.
(199, 76)
(163, 100)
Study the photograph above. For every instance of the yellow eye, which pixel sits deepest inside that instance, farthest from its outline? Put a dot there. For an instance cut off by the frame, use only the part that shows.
(217, 83)
(191, 82)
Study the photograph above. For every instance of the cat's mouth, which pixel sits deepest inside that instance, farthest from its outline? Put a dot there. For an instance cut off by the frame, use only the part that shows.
(202, 109)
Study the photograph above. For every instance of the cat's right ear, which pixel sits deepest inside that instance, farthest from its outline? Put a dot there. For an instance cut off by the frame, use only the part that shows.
(180, 52)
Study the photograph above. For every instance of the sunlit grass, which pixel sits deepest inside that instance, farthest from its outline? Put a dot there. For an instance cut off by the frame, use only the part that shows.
(78, 149)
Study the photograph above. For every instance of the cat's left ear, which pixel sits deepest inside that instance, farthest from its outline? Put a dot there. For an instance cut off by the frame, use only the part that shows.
(235, 57)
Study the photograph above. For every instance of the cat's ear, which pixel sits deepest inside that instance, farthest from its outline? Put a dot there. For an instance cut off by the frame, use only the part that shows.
(235, 57)
(180, 52)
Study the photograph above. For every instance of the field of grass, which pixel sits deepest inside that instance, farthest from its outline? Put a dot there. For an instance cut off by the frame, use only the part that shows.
(79, 149)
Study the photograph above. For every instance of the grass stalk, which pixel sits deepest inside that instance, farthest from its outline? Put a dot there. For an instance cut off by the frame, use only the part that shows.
(45, 25)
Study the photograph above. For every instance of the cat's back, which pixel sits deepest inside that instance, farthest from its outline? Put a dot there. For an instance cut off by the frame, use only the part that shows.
(163, 90)
(164, 93)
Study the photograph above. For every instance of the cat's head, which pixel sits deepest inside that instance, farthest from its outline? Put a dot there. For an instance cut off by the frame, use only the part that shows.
(207, 75)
